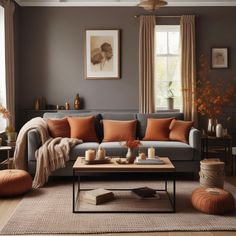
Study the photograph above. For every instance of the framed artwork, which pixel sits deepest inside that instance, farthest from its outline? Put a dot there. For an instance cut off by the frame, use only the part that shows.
(102, 54)
(219, 58)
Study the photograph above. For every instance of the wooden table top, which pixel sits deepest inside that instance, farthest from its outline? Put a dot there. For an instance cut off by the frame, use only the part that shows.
(113, 166)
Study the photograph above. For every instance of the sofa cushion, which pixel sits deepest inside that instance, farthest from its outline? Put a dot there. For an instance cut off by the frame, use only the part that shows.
(83, 128)
(79, 150)
(116, 130)
(142, 120)
(179, 130)
(157, 129)
(77, 113)
(59, 128)
(118, 116)
(176, 151)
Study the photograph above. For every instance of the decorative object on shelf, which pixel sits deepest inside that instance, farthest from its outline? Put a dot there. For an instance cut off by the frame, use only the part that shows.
(170, 96)
(43, 103)
(131, 145)
(77, 102)
(219, 58)
(37, 104)
(211, 127)
(67, 106)
(219, 131)
(152, 5)
(212, 96)
(102, 54)
(101, 154)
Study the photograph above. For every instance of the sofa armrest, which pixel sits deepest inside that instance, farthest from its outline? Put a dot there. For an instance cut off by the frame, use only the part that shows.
(34, 142)
(195, 139)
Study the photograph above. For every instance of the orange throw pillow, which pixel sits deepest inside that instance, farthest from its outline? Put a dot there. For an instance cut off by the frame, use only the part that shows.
(83, 128)
(59, 128)
(116, 130)
(179, 130)
(157, 129)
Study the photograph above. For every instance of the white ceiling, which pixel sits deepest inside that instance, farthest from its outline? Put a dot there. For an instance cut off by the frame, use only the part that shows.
(81, 3)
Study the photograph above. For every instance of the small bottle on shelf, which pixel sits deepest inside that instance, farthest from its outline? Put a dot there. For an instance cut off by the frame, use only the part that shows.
(77, 102)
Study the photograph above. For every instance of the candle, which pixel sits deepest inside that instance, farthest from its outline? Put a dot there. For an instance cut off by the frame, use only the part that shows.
(151, 152)
(101, 154)
(90, 155)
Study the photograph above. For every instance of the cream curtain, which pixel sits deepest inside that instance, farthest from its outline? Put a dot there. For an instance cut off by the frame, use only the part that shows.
(188, 66)
(9, 7)
(146, 64)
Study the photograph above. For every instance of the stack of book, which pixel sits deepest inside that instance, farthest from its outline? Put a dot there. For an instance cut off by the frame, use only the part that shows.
(145, 192)
(98, 196)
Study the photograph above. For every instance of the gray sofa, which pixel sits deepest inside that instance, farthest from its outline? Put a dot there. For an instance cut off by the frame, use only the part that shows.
(185, 157)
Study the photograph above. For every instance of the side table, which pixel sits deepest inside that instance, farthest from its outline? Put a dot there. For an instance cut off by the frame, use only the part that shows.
(218, 147)
(8, 160)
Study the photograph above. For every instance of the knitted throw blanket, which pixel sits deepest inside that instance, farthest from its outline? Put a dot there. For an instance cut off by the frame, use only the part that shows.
(50, 156)
(40, 125)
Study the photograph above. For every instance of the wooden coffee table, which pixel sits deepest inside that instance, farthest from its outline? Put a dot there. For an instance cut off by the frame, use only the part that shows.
(167, 169)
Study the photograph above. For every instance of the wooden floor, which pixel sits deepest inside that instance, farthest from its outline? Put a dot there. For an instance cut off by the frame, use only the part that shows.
(7, 207)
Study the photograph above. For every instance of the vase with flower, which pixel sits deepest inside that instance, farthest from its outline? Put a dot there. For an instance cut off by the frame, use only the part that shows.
(131, 145)
(212, 96)
(10, 131)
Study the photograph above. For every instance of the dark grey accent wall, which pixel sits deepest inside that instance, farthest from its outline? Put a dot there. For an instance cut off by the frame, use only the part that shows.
(52, 57)
(51, 43)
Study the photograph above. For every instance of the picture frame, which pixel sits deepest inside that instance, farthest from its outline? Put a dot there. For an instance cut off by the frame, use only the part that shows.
(102, 54)
(219, 58)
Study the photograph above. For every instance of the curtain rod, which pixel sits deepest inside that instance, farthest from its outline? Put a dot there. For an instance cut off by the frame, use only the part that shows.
(137, 16)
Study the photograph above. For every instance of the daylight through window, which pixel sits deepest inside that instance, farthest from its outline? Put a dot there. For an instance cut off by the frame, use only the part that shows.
(2, 67)
(167, 66)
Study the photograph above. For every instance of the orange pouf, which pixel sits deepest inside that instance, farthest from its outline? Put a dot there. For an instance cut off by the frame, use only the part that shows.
(14, 182)
(212, 200)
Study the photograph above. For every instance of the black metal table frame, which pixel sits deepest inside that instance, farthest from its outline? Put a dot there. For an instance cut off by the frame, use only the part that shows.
(168, 174)
(226, 144)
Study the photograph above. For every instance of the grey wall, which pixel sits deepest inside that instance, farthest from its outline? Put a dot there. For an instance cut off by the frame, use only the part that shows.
(52, 57)
(51, 43)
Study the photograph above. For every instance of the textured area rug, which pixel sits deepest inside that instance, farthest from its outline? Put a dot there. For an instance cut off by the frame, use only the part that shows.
(49, 211)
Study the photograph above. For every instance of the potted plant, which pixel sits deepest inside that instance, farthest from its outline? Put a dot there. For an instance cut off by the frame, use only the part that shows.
(170, 96)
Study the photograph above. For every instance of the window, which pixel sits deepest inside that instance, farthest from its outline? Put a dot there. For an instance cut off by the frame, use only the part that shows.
(2, 67)
(167, 66)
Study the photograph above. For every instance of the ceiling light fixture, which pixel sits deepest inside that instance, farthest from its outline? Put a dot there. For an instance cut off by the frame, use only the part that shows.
(152, 5)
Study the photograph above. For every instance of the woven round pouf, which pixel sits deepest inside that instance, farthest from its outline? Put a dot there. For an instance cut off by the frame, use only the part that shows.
(212, 173)
(14, 182)
(212, 200)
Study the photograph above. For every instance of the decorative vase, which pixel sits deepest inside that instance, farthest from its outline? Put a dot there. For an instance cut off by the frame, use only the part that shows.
(130, 157)
(219, 131)
(77, 102)
(211, 128)
(170, 103)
